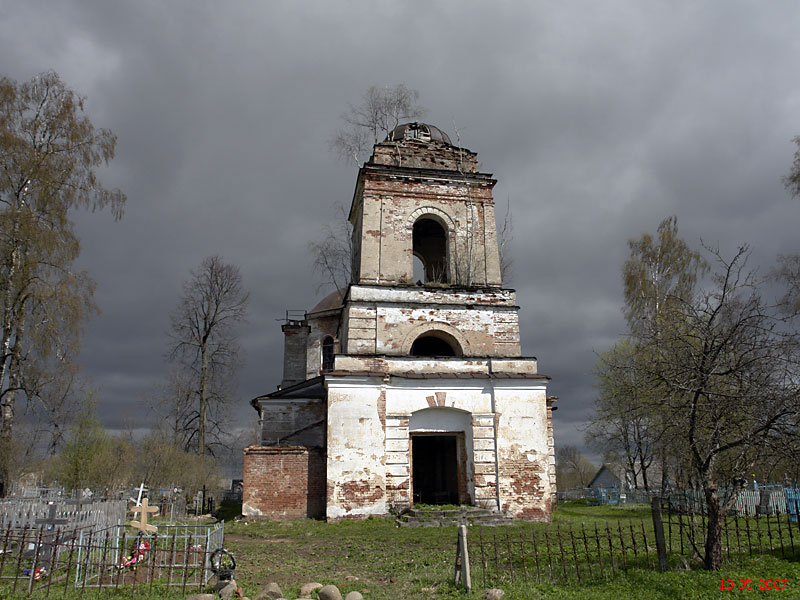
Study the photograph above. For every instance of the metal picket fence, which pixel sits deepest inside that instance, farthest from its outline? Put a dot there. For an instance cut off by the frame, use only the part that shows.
(672, 538)
(38, 560)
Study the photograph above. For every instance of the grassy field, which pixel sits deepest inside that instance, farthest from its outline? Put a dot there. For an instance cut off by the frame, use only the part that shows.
(391, 562)
(385, 562)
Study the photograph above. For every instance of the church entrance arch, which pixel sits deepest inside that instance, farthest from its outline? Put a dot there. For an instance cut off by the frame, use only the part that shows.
(441, 456)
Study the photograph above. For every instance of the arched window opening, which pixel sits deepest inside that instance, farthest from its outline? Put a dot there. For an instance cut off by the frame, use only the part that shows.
(430, 246)
(434, 345)
(327, 354)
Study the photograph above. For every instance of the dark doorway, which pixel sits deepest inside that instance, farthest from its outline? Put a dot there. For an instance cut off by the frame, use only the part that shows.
(435, 475)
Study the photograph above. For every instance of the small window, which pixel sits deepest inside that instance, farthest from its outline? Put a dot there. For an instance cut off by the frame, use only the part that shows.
(327, 354)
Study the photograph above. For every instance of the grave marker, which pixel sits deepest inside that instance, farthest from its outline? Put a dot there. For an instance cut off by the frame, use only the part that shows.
(48, 546)
(51, 520)
(144, 509)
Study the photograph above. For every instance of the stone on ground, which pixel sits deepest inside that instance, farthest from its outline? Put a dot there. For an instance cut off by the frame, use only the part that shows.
(307, 589)
(272, 591)
(494, 594)
(329, 592)
(228, 591)
(200, 597)
(354, 596)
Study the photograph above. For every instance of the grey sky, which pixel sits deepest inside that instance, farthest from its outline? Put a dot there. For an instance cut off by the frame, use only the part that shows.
(598, 120)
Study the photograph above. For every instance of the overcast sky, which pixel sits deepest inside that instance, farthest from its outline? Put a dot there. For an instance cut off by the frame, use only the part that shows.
(598, 119)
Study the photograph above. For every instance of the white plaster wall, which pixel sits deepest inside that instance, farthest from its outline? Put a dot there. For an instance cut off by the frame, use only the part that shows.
(442, 296)
(356, 443)
(484, 331)
(523, 449)
(405, 364)
(371, 418)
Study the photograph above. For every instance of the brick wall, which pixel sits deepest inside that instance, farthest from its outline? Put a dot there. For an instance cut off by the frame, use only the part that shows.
(284, 482)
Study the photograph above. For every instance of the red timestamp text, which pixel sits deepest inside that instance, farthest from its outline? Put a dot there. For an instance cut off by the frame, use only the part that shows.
(753, 584)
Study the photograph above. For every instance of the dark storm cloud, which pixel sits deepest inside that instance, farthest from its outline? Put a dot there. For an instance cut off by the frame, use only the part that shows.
(598, 120)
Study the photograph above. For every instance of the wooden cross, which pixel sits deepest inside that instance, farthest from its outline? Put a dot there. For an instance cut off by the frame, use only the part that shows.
(141, 490)
(47, 548)
(142, 524)
(79, 501)
(51, 520)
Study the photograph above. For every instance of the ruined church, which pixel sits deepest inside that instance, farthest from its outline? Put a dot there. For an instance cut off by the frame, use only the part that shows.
(408, 387)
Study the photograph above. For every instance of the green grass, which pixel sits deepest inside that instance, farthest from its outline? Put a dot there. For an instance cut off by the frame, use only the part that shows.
(393, 562)
(386, 562)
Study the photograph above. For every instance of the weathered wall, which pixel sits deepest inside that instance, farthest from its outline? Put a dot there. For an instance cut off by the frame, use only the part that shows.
(319, 328)
(356, 459)
(392, 204)
(387, 320)
(281, 418)
(370, 461)
(524, 476)
(410, 179)
(419, 154)
(551, 446)
(294, 352)
(283, 482)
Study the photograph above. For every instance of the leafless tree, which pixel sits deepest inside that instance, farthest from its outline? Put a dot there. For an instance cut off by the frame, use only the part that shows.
(505, 235)
(623, 426)
(573, 468)
(175, 404)
(334, 252)
(792, 179)
(204, 341)
(381, 110)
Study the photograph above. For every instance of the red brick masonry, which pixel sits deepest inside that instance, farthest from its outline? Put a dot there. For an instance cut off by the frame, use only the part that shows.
(284, 482)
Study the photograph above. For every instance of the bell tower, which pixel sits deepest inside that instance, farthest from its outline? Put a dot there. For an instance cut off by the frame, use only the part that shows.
(412, 387)
(420, 196)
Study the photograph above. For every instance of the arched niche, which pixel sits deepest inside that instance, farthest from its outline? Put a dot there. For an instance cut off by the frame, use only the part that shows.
(435, 343)
(444, 333)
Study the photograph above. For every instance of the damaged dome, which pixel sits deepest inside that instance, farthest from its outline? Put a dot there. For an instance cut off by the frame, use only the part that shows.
(418, 131)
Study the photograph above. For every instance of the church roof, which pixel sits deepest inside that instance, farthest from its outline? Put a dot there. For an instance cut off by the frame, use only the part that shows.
(329, 302)
(421, 131)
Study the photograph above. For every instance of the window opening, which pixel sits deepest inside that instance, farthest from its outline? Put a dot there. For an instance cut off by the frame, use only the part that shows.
(430, 246)
(327, 354)
(429, 345)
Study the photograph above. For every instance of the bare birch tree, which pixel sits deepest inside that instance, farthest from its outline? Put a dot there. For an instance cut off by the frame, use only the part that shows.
(573, 469)
(203, 336)
(792, 179)
(365, 124)
(334, 252)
